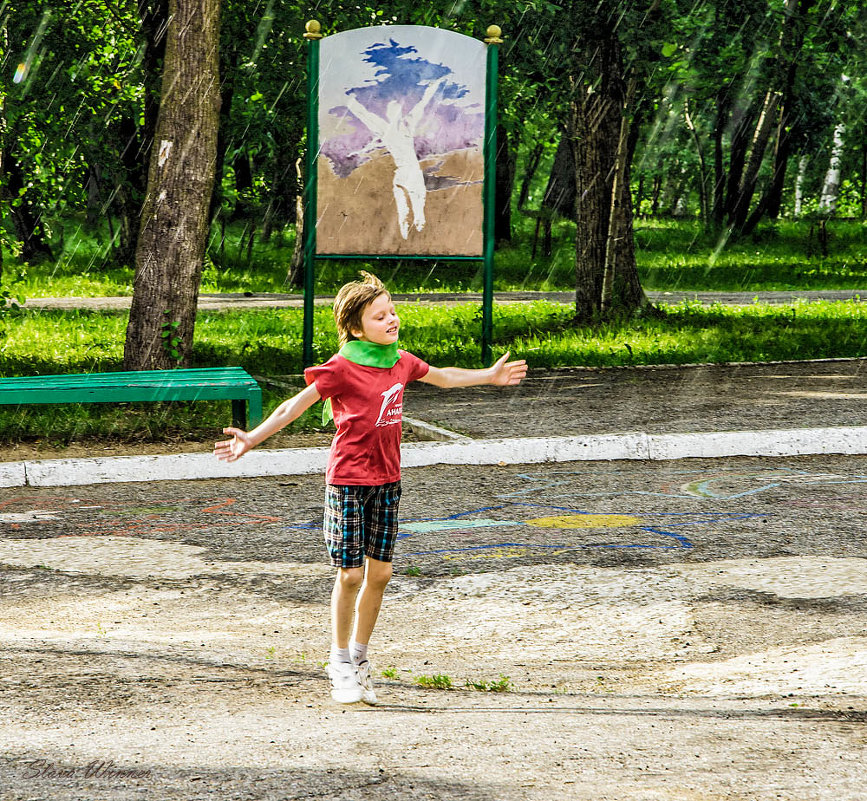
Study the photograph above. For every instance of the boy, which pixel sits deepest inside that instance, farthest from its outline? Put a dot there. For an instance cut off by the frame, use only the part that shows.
(363, 386)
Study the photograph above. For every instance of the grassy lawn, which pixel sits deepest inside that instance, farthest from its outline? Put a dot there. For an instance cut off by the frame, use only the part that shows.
(671, 255)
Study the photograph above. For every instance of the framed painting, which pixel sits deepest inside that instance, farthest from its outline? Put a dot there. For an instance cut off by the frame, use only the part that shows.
(401, 126)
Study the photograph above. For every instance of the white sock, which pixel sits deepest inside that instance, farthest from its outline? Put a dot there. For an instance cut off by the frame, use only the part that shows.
(359, 651)
(339, 655)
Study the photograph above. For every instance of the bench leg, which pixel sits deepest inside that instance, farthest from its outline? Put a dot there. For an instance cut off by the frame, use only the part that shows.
(239, 414)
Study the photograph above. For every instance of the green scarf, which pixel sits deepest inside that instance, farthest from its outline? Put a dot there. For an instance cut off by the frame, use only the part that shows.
(367, 354)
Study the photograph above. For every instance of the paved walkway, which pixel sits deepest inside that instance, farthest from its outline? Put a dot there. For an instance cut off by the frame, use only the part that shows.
(661, 413)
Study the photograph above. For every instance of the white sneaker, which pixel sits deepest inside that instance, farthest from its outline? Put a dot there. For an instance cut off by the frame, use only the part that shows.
(345, 685)
(368, 694)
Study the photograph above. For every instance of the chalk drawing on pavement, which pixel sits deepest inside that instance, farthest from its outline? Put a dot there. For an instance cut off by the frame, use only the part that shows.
(127, 518)
(567, 530)
(720, 485)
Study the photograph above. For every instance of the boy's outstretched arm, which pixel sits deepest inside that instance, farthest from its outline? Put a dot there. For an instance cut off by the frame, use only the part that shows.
(502, 373)
(231, 450)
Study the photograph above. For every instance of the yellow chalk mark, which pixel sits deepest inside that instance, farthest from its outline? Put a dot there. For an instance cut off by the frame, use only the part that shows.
(505, 552)
(584, 521)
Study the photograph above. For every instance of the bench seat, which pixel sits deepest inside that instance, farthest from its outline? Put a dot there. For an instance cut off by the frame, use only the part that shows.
(209, 383)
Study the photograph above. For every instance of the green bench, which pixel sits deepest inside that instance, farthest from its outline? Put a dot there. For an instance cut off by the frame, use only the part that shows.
(217, 383)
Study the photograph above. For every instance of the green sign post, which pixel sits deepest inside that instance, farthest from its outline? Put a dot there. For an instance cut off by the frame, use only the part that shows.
(313, 35)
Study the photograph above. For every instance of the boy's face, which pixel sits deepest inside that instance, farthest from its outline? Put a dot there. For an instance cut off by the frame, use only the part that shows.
(379, 322)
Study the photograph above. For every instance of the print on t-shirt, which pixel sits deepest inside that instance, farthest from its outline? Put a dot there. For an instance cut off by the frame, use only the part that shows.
(392, 406)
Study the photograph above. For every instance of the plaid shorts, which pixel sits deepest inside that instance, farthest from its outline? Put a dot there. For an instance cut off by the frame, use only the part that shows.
(359, 522)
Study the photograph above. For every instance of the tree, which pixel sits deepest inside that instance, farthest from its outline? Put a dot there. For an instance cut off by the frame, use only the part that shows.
(174, 225)
(74, 91)
(602, 104)
(756, 78)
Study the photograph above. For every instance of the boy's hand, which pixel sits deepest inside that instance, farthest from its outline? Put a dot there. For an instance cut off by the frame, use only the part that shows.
(507, 374)
(231, 450)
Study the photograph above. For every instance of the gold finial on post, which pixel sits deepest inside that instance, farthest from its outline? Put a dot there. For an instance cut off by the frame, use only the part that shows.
(493, 35)
(312, 29)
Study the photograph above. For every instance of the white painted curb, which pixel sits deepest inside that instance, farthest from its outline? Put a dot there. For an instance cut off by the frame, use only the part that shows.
(786, 442)
(12, 474)
(529, 450)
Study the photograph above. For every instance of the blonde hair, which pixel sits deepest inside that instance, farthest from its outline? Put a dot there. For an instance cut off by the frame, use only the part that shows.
(351, 301)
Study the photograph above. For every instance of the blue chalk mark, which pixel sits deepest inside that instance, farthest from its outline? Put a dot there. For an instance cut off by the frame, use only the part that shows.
(684, 541)
(704, 489)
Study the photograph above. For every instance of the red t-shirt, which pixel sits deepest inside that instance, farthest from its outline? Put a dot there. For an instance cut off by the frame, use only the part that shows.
(367, 403)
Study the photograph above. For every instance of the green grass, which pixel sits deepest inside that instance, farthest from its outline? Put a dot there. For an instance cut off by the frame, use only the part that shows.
(268, 342)
(501, 685)
(671, 255)
(676, 255)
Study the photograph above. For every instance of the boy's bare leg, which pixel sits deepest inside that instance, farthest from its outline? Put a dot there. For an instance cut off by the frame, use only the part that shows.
(376, 578)
(343, 603)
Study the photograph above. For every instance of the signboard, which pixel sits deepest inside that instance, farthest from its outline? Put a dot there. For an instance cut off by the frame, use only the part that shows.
(401, 127)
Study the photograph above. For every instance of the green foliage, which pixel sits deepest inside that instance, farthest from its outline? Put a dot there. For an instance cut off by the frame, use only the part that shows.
(77, 71)
(11, 298)
(171, 342)
(501, 685)
(438, 681)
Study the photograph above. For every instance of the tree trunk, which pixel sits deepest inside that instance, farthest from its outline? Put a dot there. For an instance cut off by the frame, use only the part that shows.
(831, 184)
(864, 180)
(281, 198)
(723, 109)
(740, 139)
(529, 173)
(772, 198)
(672, 198)
(599, 133)
(799, 184)
(559, 196)
(655, 195)
(702, 167)
(28, 227)
(792, 38)
(92, 182)
(761, 136)
(174, 224)
(296, 264)
(505, 179)
(617, 212)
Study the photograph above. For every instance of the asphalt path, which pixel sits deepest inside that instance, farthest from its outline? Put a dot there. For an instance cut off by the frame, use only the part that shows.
(481, 516)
